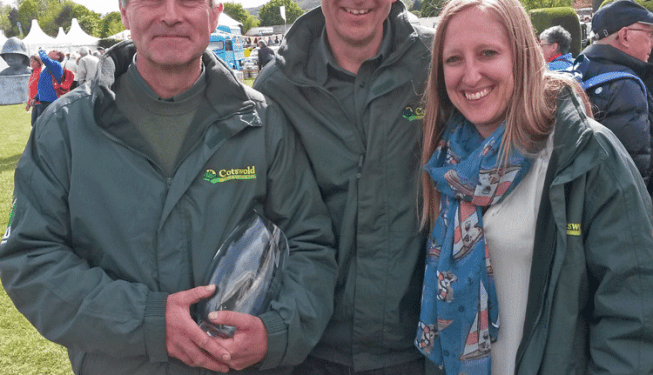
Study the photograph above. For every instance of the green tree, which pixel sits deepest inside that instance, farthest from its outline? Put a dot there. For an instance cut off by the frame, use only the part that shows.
(270, 14)
(51, 17)
(250, 22)
(13, 20)
(431, 8)
(540, 4)
(110, 25)
(27, 11)
(5, 23)
(236, 11)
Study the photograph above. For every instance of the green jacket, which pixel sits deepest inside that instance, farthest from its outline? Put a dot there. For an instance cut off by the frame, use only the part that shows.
(370, 186)
(590, 304)
(99, 236)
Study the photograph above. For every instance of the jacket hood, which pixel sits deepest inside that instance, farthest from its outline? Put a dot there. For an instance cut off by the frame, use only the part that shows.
(228, 97)
(577, 151)
(305, 33)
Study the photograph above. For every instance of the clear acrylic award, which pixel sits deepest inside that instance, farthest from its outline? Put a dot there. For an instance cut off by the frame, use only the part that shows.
(246, 270)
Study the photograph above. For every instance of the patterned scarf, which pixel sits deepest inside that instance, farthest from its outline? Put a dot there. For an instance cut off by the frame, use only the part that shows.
(460, 313)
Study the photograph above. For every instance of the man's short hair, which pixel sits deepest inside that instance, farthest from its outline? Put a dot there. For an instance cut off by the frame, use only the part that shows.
(616, 15)
(83, 51)
(557, 34)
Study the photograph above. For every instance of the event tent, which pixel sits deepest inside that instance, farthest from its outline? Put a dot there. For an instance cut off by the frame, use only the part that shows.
(3, 38)
(234, 25)
(61, 37)
(37, 38)
(123, 35)
(76, 37)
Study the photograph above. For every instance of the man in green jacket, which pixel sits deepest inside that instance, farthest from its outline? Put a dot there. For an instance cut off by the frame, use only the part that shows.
(350, 79)
(125, 193)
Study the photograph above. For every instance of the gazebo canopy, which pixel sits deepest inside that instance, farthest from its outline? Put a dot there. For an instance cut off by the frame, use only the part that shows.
(234, 25)
(61, 36)
(76, 37)
(123, 35)
(37, 38)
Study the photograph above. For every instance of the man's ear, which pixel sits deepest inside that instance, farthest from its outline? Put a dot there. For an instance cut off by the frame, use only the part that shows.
(123, 15)
(623, 36)
(215, 16)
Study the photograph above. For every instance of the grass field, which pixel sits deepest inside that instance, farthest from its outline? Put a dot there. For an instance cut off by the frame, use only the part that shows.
(23, 351)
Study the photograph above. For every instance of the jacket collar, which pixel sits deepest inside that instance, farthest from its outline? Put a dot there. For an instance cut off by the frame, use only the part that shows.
(577, 149)
(228, 97)
(610, 54)
(303, 38)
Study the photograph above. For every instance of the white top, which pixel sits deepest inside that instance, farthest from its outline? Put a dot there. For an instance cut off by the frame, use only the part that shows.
(510, 234)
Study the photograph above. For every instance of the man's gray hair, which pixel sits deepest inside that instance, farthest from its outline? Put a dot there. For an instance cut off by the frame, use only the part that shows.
(212, 3)
(557, 34)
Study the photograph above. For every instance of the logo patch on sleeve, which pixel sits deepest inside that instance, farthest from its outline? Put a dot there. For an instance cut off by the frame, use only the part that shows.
(573, 229)
(11, 218)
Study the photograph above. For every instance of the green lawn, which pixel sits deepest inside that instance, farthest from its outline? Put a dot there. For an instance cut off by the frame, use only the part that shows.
(23, 351)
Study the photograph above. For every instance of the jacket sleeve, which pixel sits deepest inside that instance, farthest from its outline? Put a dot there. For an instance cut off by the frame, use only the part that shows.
(68, 300)
(81, 71)
(622, 107)
(53, 66)
(304, 306)
(619, 259)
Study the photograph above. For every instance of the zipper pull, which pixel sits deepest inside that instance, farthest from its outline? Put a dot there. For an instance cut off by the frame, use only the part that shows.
(359, 173)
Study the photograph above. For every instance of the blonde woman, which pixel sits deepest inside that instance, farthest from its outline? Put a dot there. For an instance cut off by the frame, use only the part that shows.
(540, 259)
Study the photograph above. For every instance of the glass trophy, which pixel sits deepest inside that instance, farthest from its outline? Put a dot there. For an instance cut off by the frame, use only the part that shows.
(246, 270)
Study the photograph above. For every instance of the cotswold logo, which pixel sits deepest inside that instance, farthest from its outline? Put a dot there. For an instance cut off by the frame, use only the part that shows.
(411, 114)
(573, 229)
(223, 175)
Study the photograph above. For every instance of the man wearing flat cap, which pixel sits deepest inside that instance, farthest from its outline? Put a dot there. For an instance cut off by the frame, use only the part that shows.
(623, 34)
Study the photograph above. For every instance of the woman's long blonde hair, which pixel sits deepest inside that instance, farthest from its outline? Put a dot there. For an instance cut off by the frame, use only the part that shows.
(530, 113)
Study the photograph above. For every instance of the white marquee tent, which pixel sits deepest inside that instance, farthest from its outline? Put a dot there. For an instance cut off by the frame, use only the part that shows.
(3, 38)
(123, 35)
(61, 36)
(76, 37)
(225, 20)
(37, 38)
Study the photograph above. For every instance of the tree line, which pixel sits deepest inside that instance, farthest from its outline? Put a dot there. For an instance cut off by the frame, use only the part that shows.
(16, 19)
(52, 14)
(432, 8)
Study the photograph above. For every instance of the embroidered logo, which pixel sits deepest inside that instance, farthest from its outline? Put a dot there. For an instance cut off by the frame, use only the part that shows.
(223, 175)
(411, 114)
(11, 218)
(573, 229)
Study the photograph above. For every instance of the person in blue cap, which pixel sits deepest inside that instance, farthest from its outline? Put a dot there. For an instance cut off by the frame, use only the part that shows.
(623, 34)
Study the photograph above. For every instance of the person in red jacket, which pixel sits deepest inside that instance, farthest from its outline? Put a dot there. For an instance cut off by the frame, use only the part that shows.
(33, 83)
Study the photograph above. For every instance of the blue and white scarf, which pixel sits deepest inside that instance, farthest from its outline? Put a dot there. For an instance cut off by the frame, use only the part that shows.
(460, 313)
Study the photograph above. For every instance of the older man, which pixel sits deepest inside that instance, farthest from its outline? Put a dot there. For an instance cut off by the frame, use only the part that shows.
(350, 77)
(555, 42)
(623, 31)
(86, 66)
(117, 215)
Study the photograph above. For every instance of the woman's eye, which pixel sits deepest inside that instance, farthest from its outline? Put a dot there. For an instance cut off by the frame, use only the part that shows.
(488, 53)
(452, 59)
